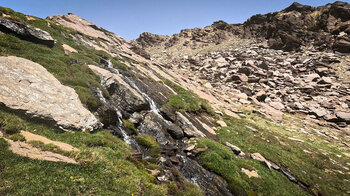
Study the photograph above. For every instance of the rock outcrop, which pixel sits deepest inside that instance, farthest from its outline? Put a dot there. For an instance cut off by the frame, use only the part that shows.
(26, 32)
(327, 27)
(29, 88)
(122, 93)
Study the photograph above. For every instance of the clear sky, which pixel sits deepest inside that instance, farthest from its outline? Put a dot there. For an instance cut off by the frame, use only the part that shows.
(129, 18)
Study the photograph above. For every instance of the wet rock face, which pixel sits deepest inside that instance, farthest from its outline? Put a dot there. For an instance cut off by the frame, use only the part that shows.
(122, 93)
(26, 32)
(29, 88)
(210, 183)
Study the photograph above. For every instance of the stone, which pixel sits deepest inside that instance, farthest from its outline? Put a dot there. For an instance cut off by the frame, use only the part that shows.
(319, 112)
(67, 49)
(208, 85)
(325, 80)
(244, 70)
(261, 96)
(263, 65)
(250, 173)
(240, 77)
(312, 77)
(26, 32)
(221, 123)
(154, 126)
(259, 157)
(174, 160)
(175, 131)
(29, 88)
(122, 93)
(277, 105)
(234, 148)
(344, 116)
(342, 45)
(189, 148)
(189, 129)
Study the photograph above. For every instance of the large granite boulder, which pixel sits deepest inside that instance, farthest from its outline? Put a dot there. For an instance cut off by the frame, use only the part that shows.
(26, 32)
(29, 88)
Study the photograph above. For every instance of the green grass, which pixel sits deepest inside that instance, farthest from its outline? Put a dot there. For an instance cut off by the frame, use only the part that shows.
(51, 148)
(14, 15)
(187, 101)
(272, 142)
(151, 144)
(17, 137)
(130, 126)
(70, 70)
(269, 182)
(10, 124)
(104, 167)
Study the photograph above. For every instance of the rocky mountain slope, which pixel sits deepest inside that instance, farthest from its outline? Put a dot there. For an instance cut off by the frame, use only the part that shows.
(229, 109)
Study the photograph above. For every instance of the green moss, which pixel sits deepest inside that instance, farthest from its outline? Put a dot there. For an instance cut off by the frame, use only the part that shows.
(130, 126)
(17, 137)
(186, 100)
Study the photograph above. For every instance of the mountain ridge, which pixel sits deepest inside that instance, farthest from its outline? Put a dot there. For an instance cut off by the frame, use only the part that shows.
(206, 111)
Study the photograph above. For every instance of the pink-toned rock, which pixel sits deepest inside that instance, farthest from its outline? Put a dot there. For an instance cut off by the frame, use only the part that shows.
(277, 105)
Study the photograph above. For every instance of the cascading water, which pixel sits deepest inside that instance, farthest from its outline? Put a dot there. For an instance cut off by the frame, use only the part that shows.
(129, 140)
(190, 169)
(153, 105)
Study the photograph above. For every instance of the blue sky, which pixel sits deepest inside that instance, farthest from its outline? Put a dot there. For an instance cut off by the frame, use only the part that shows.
(129, 18)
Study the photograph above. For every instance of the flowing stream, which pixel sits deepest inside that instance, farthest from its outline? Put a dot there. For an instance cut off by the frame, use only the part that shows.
(190, 169)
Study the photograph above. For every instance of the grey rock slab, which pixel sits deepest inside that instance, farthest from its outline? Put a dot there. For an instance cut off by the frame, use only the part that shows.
(26, 32)
(28, 87)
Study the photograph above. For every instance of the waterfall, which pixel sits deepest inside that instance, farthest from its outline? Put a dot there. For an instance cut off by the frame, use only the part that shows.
(153, 105)
(129, 140)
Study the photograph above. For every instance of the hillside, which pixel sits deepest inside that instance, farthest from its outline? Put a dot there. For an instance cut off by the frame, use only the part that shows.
(259, 108)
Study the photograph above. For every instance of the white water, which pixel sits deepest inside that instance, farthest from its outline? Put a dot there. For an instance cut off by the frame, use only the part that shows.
(153, 105)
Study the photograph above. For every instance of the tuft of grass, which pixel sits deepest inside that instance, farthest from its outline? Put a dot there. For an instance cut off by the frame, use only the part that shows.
(50, 147)
(130, 126)
(187, 101)
(150, 143)
(17, 137)
(184, 189)
(11, 124)
(147, 141)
